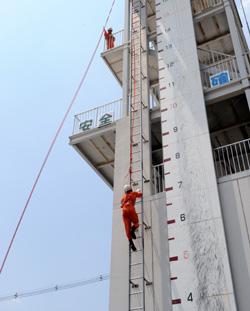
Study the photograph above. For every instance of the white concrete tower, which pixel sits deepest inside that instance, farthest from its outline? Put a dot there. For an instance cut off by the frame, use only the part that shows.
(180, 134)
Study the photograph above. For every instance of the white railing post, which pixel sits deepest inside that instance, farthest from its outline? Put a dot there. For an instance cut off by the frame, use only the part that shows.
(232, 158)
(158, 178)
(200, 6)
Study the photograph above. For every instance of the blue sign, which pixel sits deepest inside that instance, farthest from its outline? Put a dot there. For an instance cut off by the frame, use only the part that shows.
(219, 79)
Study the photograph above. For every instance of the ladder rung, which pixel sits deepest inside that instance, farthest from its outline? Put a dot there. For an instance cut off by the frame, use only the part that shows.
(138, 250)
(136, 278)
(134, 77)
(137, 263)
(136, 52)
(135, 126)
(136, 144)
(136, 171)
(134, 162)
(137, 308)
(136, 293)
(134, 23)
(134, 118)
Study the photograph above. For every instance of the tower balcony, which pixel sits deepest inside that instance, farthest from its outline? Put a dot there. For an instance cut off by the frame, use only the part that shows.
(94, 136)
(232, 159)
(97, 118)
(228, 160)
(114, 58)
(205, 6)
(220, 74)
(211, 25)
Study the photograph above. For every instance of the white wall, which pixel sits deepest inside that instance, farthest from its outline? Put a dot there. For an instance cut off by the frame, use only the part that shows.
(235, 201)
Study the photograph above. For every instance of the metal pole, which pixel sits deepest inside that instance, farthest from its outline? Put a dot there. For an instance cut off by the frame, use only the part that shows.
(126, 60)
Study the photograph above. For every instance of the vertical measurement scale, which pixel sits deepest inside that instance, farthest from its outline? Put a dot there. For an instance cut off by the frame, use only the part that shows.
(200, 273)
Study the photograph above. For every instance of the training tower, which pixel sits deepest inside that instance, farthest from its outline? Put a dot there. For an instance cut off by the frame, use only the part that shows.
(180, 133)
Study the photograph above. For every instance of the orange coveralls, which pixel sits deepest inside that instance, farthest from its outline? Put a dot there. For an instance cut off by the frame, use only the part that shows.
(129, 214)
(110, 39)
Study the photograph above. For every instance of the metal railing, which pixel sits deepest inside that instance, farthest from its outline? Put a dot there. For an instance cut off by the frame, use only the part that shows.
(119, 39)
(219, 73)
(211, 57)
(199, 6)
(247, 61)
(98, 117)
(228, 160)
(233, 158)
(158, 178)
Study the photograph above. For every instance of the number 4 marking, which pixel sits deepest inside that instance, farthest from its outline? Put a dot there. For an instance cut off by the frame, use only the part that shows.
(190, 297)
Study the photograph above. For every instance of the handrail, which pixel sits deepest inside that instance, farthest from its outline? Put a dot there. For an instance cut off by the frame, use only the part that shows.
(229, 159)
(218, 63)
(247, 61)
(233, 144)
(98, 117)
(215, 52)
(232, 158)
(199, 6)
(220, 73)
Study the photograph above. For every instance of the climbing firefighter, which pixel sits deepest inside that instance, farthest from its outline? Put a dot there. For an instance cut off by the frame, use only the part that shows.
(109, 37)
(130, 217)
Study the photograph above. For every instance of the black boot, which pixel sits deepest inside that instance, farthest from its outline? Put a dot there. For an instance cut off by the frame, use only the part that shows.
(132, 245)
(133, 233)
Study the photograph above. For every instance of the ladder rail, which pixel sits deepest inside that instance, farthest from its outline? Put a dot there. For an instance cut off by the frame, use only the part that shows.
(136, 143)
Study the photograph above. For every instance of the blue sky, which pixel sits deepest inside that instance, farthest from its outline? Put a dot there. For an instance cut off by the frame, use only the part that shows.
(66, 233)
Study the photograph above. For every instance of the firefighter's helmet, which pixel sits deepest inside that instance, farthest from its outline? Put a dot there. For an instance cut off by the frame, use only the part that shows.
(127, 188)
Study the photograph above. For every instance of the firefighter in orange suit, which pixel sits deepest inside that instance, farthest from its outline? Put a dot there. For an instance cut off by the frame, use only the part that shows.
(110, 39)
(130, 217)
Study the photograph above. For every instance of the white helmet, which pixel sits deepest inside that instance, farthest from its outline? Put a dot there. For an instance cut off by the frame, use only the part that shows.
(127, 188)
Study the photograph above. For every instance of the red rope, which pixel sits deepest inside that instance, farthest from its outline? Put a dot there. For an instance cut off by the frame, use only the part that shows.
(54, 140)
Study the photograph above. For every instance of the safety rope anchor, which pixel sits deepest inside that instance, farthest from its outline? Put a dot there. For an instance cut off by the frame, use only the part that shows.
(147, 227)
(146, 180)
(148, 283)
(143, 76)
(133, 284)
(144, 106)
(144, 139)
